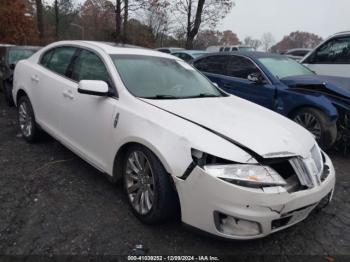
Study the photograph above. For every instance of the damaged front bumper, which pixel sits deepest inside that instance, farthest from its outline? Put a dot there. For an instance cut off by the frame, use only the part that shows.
(235, 212)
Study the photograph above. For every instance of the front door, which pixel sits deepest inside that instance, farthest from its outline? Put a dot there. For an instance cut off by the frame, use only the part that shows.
(88, 120)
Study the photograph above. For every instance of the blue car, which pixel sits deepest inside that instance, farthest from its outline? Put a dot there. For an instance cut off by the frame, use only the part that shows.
(319, 103)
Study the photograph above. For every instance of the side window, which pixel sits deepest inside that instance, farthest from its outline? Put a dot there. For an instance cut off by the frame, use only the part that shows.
(45, 59)
(234, 49)
(221, 49)
(213, 64)
(335, 51)
(177, 54)
(227, 49)
(88, 66)
(241, 67)
(59, 59)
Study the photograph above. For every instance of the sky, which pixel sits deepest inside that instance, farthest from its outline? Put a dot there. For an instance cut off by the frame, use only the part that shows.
(280, 17)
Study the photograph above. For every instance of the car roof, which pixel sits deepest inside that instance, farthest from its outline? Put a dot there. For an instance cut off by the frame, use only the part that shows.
(114, 49)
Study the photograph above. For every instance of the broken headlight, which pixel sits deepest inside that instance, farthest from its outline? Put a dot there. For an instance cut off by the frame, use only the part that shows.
(246, 175)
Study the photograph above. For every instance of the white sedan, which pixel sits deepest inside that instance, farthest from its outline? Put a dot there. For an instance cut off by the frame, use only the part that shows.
(178, 143)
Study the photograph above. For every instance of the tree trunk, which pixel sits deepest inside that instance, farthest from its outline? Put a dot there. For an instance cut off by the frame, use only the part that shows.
(39, 16)
(118, 20)
(57, 20)
(125, 22)
(192, 31)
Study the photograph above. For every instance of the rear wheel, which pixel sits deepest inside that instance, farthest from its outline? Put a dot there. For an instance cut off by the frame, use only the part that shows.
(319, 124)
(26, 119)
(148, 186)
(7, 88)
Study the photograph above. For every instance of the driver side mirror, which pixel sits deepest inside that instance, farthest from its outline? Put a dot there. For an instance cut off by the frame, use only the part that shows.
(93, 87)
(256, 78)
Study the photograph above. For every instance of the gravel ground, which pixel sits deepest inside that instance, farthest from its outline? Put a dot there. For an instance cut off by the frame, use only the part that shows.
(52, 202)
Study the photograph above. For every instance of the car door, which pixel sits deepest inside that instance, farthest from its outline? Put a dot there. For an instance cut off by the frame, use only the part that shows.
(236, 82)
(331, 58)
(48, 81)
(88, 120)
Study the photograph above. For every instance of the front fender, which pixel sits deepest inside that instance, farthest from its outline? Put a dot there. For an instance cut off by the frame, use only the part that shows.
(288, 102)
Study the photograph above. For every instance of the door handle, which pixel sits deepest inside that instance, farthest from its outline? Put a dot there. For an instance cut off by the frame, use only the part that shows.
(35, 78)
(68, 94)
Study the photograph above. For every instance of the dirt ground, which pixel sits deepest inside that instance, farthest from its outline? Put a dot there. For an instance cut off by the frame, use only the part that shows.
(52, 202)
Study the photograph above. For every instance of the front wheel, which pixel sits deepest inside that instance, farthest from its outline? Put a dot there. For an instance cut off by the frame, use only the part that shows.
(150, 192)
(319, 124)
(26, 120)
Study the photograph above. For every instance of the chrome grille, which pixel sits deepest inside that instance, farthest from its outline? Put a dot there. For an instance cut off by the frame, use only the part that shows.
(302, 172)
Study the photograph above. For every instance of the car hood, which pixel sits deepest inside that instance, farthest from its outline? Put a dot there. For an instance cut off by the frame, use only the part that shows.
(245, 124)
(330, 85)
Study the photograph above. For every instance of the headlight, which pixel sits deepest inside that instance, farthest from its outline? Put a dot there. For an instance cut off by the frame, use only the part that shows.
(246, 175)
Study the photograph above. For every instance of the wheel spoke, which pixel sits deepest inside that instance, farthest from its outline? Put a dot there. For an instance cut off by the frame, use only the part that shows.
(133, 188)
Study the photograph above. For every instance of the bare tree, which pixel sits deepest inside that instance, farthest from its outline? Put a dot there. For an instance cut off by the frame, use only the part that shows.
(267, 40)
(39, 17)
(254, 43)
(198, 13)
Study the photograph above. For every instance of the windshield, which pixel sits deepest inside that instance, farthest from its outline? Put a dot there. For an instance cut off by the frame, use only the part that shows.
(284, 67)
(195, 55)
(162, 78)
(18, 54)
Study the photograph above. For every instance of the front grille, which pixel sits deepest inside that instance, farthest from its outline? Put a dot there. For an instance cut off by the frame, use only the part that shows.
(301, 171)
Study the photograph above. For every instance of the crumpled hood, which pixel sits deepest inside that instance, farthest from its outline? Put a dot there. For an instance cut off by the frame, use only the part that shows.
(257, 128)
(332, 85)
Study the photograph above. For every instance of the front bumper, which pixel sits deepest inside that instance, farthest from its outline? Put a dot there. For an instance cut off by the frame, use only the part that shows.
(203, 196)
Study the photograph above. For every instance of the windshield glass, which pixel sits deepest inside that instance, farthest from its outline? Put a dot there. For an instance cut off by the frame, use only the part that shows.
(195, 55)
(162, 78)
(284, 67)
(18, 54)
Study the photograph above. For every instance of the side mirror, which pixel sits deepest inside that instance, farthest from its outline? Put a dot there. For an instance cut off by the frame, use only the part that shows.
(93, 87)
(256, 78)
(12, 66)
(216, 84)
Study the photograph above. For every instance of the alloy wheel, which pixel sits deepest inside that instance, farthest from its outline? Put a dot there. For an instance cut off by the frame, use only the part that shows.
(139, 181)
(25, 119)
(310, 122)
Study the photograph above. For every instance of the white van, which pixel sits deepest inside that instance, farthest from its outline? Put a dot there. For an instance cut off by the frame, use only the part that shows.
(229, 48)
(332, 57)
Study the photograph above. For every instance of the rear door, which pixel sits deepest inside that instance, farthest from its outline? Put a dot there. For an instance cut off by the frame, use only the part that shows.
(48, 82)
(331, 58)
(88, 120)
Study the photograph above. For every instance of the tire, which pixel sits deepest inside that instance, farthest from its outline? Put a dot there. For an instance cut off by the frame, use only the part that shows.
(165, 203)
(7, 88)
(319, 124)
(26, 120)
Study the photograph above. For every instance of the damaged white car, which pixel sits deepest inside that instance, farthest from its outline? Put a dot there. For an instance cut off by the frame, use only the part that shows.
(178, 143)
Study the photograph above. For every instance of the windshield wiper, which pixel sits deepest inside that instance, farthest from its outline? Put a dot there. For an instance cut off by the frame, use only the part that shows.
(161, 97)
(204, 95)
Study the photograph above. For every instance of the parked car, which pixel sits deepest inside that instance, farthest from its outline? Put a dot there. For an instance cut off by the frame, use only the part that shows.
(320, 104)
(332, 57)
(231, 48)
(178, 143)
(169, 50)
(296, 53)
(9, 56)
(188, 55)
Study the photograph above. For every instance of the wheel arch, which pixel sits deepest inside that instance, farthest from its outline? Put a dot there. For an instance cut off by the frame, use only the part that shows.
(331, 112)
(120, 154)
(19, 94)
